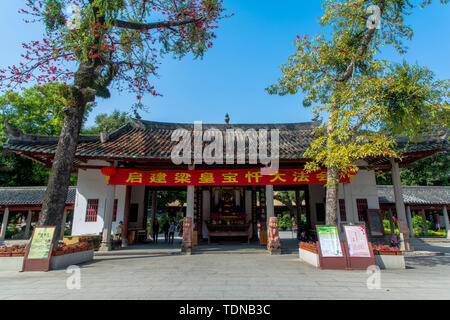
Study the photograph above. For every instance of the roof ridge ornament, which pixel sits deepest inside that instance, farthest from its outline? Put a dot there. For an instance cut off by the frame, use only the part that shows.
(227, 119)
(12, 130)
(104, 135)
(137, 123)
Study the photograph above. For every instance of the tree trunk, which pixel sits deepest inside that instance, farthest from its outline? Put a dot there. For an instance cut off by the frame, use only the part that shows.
(332, 196)
(58, 184)
(59, 180)
(332, 173)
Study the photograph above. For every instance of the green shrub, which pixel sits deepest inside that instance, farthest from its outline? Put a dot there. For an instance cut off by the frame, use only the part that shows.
(284, 221)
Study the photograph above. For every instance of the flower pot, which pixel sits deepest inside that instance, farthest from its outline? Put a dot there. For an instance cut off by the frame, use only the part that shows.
(17, 254)
(388, 253)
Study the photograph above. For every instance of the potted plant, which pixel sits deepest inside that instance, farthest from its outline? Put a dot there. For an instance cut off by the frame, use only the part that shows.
(18, 250)
(308, 253)
(387, 257)
(5, 251)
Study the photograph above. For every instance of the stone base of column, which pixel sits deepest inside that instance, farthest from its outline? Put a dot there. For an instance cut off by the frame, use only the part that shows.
(124, 243)
(105, 247)
(186, 249)
(405, 243)
(274, 251)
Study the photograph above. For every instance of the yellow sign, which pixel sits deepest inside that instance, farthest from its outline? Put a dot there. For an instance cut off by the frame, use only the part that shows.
(41, 243)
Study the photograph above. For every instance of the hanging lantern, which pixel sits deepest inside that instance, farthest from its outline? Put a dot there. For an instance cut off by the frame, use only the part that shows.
(108, 172)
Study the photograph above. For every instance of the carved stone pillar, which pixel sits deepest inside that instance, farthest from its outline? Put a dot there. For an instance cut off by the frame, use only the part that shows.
(274, 245)
(186, 245)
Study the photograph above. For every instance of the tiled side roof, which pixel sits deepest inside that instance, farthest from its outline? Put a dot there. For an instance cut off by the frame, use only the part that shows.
(416, 195)
(146, 140)
(29, 195)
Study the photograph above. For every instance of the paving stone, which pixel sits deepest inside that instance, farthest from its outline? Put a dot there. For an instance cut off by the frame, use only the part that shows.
(228, 276)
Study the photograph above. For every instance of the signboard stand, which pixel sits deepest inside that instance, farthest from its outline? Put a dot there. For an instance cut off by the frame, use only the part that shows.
(332, 253)
(375, 220)
(39, 250)
(359, 249)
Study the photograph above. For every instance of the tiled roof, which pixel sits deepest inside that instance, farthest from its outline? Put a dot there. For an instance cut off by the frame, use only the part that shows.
(147, 140)
(432, 195)
(152, 140)
(29, 195)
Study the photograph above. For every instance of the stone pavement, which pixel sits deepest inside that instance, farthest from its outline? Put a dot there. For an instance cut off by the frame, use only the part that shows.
(239, 272)
(218, 276)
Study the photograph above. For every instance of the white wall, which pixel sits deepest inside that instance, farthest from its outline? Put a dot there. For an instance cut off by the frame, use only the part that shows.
(138, 196)
(92, 185)
(316, 195)
(363, 186)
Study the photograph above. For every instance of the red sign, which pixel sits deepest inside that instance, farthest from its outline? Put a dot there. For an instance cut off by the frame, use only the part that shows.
(239, 177)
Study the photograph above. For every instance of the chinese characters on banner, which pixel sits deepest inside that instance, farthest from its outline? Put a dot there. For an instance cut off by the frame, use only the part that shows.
(218, 177)
(358, 245)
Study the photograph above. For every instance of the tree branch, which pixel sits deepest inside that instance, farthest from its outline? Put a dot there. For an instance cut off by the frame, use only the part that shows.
(153, 25)
(361, 50)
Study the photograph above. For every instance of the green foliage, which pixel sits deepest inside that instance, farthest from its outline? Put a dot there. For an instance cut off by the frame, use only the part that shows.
(285, 220)
(107, 122)
(162, 219)
(123, 40)
(37, 110)
(432, 171)
(417, 223)
(341, 76)
(416, 104)
(167, 197)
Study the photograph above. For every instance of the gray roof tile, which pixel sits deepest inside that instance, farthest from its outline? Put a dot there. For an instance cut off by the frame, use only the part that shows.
(29, 195)
(427, 195)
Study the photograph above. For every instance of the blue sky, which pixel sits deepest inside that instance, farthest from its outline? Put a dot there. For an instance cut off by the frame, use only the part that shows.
(246, 58)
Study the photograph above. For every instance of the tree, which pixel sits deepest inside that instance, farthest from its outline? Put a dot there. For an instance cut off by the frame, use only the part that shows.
(340, 74)
(109, 123)
(37, 110)
(417, 104)
(167, 197)
(104, 43)
(432, 171)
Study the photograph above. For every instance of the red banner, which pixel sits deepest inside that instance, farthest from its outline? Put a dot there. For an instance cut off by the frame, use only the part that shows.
(239, 177)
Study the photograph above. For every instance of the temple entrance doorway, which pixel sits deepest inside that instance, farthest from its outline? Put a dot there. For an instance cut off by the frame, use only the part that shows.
(166, 207)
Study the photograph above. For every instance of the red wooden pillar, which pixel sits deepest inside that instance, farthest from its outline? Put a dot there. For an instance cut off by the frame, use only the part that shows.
(126, 214)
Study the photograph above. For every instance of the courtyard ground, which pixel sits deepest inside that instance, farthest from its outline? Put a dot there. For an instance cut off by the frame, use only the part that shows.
(164, 274)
